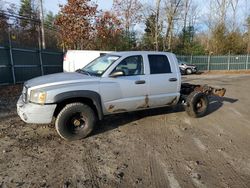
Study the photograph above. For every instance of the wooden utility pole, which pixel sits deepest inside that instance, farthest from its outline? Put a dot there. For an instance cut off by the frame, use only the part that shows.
(42, 24)
(248, 33)
(157, 25)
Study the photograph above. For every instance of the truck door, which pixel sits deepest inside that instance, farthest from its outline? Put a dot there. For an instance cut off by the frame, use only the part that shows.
(127, 92)
(162, 81)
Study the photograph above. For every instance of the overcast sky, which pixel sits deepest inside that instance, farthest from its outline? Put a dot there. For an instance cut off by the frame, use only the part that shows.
(52, 5)
(203, 8)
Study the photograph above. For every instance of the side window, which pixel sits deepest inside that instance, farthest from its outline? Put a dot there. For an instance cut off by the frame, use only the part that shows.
(132, 65)
(159, 64)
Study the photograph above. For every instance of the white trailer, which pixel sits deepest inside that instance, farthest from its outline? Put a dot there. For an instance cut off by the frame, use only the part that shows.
(77, 59)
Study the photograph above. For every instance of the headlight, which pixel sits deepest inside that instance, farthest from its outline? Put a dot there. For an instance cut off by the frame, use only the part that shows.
(38, 96)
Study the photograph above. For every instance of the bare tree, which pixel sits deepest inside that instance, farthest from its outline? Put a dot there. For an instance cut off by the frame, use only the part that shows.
(129, 11)
(248, 34)
(221, 9)
(234, 6)
(172, 8)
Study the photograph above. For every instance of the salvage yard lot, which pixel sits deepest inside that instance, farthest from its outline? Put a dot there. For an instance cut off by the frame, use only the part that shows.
(156, 148)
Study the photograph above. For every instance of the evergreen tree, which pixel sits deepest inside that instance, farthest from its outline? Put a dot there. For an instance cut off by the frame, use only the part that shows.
(27, 12)
(148, 38)
(29, 25)
(51, 31)
(219, 39)
(49, 19)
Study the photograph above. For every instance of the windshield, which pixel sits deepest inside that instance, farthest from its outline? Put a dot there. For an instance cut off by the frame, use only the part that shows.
(100, 65)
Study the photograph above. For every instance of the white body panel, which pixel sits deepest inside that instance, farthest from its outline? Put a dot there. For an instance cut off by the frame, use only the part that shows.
(77, 59)
(121, 94)
(161, 90)
(117, 96)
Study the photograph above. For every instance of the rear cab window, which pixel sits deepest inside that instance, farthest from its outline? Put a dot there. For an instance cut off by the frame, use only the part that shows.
(159, 64)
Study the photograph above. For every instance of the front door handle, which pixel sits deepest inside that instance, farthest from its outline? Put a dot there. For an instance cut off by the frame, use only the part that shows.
(172, 79)
(140, 82)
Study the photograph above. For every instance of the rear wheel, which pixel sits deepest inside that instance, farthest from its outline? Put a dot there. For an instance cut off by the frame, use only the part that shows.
(197, 104)
(75, 121)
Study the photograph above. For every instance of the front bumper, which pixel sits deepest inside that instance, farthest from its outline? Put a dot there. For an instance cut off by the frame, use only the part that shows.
(35, 113)
(194, 70)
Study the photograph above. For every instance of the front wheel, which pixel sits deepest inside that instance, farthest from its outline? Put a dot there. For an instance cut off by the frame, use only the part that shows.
(75, 121)
(189, 71)
(197, 104)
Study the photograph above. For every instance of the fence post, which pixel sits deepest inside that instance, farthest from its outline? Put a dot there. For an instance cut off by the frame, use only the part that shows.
(11, 57)
(41, 61)
(247, 62)
(228, 62)
(208, 62)
(191, 60)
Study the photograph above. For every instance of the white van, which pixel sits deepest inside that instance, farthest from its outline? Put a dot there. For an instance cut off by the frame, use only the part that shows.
(77, 59)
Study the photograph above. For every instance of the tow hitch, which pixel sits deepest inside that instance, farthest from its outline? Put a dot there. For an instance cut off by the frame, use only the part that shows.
(187, 88)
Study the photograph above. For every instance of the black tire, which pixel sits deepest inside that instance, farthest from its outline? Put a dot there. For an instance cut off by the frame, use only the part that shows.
(197, 104)
(188, 71)
(75, 121)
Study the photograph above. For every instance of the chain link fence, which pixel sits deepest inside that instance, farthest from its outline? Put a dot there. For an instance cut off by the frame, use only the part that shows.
(228, 62)
(22, 59)
(21, 54)
(18, 65)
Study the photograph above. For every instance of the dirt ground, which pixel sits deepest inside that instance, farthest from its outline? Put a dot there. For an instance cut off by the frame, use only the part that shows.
(156, 148)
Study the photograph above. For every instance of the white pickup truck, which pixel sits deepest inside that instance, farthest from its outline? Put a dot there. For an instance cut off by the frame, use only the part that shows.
(114, 83)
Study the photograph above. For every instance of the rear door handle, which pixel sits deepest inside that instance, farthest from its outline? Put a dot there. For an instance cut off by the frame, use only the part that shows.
(172, 79)
(140, 82)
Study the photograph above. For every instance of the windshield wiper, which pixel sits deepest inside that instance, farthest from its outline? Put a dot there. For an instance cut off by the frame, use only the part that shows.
(83, 72)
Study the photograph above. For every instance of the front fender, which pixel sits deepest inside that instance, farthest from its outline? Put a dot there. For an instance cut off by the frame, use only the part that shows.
(92, 95)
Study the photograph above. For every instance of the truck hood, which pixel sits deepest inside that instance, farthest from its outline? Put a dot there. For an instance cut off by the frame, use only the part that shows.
(59, 79)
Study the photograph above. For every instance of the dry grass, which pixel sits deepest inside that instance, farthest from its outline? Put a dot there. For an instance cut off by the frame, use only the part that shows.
(227, 72)
(10, 91)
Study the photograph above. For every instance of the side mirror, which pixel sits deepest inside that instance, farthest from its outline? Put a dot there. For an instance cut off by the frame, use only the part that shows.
(117, 73)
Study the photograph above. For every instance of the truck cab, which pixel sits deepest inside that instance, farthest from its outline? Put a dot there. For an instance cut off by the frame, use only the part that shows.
(139, 80)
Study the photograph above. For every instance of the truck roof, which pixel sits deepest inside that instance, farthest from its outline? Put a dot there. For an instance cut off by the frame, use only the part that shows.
(125, 53)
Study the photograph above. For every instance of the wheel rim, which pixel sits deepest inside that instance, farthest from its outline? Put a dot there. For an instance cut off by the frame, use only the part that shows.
(77, 123)
(200, 105)
(189, 71)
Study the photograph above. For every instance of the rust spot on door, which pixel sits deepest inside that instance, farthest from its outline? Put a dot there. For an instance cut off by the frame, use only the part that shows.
(120, 110)
(172, 102)
(111, 107)
(145, 104)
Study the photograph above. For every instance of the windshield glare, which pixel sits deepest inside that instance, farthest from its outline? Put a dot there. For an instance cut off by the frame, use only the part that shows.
(100, 65)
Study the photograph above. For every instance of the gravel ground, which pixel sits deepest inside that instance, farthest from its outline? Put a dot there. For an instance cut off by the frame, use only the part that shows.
(155, 148)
